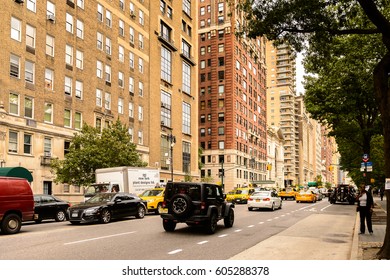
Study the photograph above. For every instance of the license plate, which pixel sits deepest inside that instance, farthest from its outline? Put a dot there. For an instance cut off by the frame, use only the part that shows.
(75, 214)
(164, 211)
(257, 200)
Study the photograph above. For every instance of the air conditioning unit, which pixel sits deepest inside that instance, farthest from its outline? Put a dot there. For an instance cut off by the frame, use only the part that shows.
(51, 17)
(19, 1)
(132, 14)
(47, 154)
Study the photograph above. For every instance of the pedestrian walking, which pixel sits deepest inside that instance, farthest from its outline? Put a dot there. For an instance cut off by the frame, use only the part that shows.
(382, 192)
(365, 209)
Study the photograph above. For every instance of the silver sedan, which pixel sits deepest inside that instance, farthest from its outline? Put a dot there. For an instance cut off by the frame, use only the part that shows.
(264, 199)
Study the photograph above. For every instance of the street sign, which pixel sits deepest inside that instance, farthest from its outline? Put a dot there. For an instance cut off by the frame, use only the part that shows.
(369, 166)
(366, 157)
(362, 166)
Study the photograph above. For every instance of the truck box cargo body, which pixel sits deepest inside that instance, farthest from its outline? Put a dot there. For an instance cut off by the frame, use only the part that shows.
(133, 180)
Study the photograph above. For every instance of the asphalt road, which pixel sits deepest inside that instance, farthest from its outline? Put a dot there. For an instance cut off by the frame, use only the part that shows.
(145, 239)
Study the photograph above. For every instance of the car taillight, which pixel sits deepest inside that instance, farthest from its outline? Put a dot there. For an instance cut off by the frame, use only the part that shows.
(250, 199)
(266, 199)
(203, 206)
(164, 204)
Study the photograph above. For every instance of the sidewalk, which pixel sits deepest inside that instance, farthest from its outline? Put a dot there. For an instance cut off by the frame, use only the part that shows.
(322, 237)
(365, 246)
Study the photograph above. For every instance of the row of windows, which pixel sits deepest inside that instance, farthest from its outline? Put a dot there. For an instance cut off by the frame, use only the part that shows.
(23, 143)
(165, 155)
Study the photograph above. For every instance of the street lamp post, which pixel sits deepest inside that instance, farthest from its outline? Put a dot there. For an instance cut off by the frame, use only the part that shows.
(172, 140)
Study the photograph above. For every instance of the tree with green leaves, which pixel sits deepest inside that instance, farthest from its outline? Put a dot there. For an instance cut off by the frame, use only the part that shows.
(301, 22)
(90, 150)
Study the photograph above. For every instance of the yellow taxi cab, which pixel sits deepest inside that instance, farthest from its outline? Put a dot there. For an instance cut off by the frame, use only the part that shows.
(287, 193)
(239, 195)
(306, 196)
(154, 198)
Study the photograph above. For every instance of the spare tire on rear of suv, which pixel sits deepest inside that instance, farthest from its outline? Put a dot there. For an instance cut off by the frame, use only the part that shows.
(181, 205)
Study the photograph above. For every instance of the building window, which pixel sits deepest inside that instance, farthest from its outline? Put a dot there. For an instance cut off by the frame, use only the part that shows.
(99, 69)
(29, 71)
(28, 107)
(131, 134)
(131, 109)
(49, 45)
(107, 101)
(121, 53)
(67, 118)
(140, 65)
(16, 29)
(141, 41)
(186, 49)
(27, 144)
(49, 79)
(47, 146)
(98, 124)
(141, 17)
(108, 73)
(13, 142)
(122, 4)
(66, 147)
(140, 137)
(221, 117)
(186, 127)
(48, 112)
(140, 113)
(141, 89)
(186, 157)
(121, 82)
(30, 36)
(166, 61)
(14, 104)
(165, 32)
(132, 35)
(31, 5)
(131, 60)
(165, 109)
(108, 46)
(186, 76)
(221, 145)
(80, 29)
(131, 85)
(79, 89)
(79, 59)
(99, 97)
(14, 66)
(120, 106)
(221, 48)
(69, 23)
(121, 28)
(187, 7)
(221, 130)
(99, 41)
(69, 55)
(78, 120)
(108, 18)
(68, 85)
(202, 132)
(100, 13)
(80, 3)
(50, 9)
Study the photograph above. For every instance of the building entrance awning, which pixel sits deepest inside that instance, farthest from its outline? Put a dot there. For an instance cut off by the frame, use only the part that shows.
(18, 172)
(312, 184)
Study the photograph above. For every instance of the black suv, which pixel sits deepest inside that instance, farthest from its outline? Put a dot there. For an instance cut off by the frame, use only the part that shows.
(343, 193)
(200, 204)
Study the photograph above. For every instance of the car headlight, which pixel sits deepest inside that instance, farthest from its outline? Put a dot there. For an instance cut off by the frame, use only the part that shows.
(91, 211)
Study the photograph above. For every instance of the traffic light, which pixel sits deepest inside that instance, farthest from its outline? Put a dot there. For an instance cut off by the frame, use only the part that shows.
(330, 168)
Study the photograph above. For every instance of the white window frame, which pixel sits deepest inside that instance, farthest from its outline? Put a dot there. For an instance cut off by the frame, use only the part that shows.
(50, 9)
(140, 41)
(121, 79)
(48, 112)
(121, 53)
(78, 122)
(50, 45)
(32, 5)
(140, 65)
(68, 83)
(140, 113)
(49, 79)
(28, 111)
(16, 29)
(107, 72)
(131, 60)
(121, 28)
(14, 104)
(14, 64)
(99, 97)
(107, 101)
(79, 59)
(131, 109)
(30, 36)
(67, 118)
(109, 18)
(100, 12)
(79, 87)
(140, 88)
(131, 85)
(69, 55)
(99, 41)
(141, 17)
(108, 46)
(186, 77)
(120, 105)
(69, 23)
(99, 69)
(79, 29)
(29, 71)
(131, 33)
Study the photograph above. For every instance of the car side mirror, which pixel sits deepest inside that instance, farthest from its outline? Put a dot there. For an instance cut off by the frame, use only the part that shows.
(118, 200)
(224, 196)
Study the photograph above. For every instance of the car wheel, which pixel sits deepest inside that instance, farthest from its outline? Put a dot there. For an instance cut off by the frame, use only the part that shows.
(38, 221)
(273, 207)
(280, 206)
(11, 224)
(60, 216)
(211, 226)
(140, 212)
(228, 221)
(181, 205)
(169, 225)
(250, 208)
(159, 208)
(105, 216)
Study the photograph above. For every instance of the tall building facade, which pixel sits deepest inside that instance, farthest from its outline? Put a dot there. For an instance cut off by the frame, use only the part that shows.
(66, 63)
(232, 98)
(281, 110)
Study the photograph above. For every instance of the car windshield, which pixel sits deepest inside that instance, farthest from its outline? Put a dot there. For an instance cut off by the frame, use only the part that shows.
(242, 191)
(151, 193)
(262, 193)
(101, 197)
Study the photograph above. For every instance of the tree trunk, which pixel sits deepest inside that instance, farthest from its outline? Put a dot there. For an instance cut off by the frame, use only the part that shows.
(382, 94)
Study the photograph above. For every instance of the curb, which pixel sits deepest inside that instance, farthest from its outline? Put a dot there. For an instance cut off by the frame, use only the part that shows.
(356, 251)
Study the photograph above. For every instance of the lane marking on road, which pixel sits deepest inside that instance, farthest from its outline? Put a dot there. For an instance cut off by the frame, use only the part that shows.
(238, 230)
(269, 220)
(175, 251)
(276, 218)
(326, 207)
(282, 215)
(98, 238)
(260, 223)
(251, 226)
(222, 235)
(202, 242)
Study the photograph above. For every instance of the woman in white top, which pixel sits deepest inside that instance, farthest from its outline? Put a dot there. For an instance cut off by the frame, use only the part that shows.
(365, 206)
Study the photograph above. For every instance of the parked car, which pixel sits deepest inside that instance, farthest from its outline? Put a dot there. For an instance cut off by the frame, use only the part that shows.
(264, 199)
(16, 204)
(343, 193)
(199, 204)
(317, 192)
(154, 197)
(103, 207)
(240, 195)
(306, 196)
(50, 207)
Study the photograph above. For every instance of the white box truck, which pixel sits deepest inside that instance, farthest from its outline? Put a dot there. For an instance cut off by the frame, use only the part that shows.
(125, 179)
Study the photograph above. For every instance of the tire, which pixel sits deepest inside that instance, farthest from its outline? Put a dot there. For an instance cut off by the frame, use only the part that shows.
(105, 216)
(11, 224)
(211, 226)
(228, 221)
(181, 205)
(38, 221)
(169, 225)
(60, 216)
(280, 206)
(140, 212)
(158, 210)
(250, 208)
(273, 207)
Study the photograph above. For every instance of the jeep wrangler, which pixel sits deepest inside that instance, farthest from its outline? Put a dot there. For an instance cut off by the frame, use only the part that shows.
(199, 204)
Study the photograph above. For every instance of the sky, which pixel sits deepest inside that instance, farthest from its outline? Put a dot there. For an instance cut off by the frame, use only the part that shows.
(300, 72)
